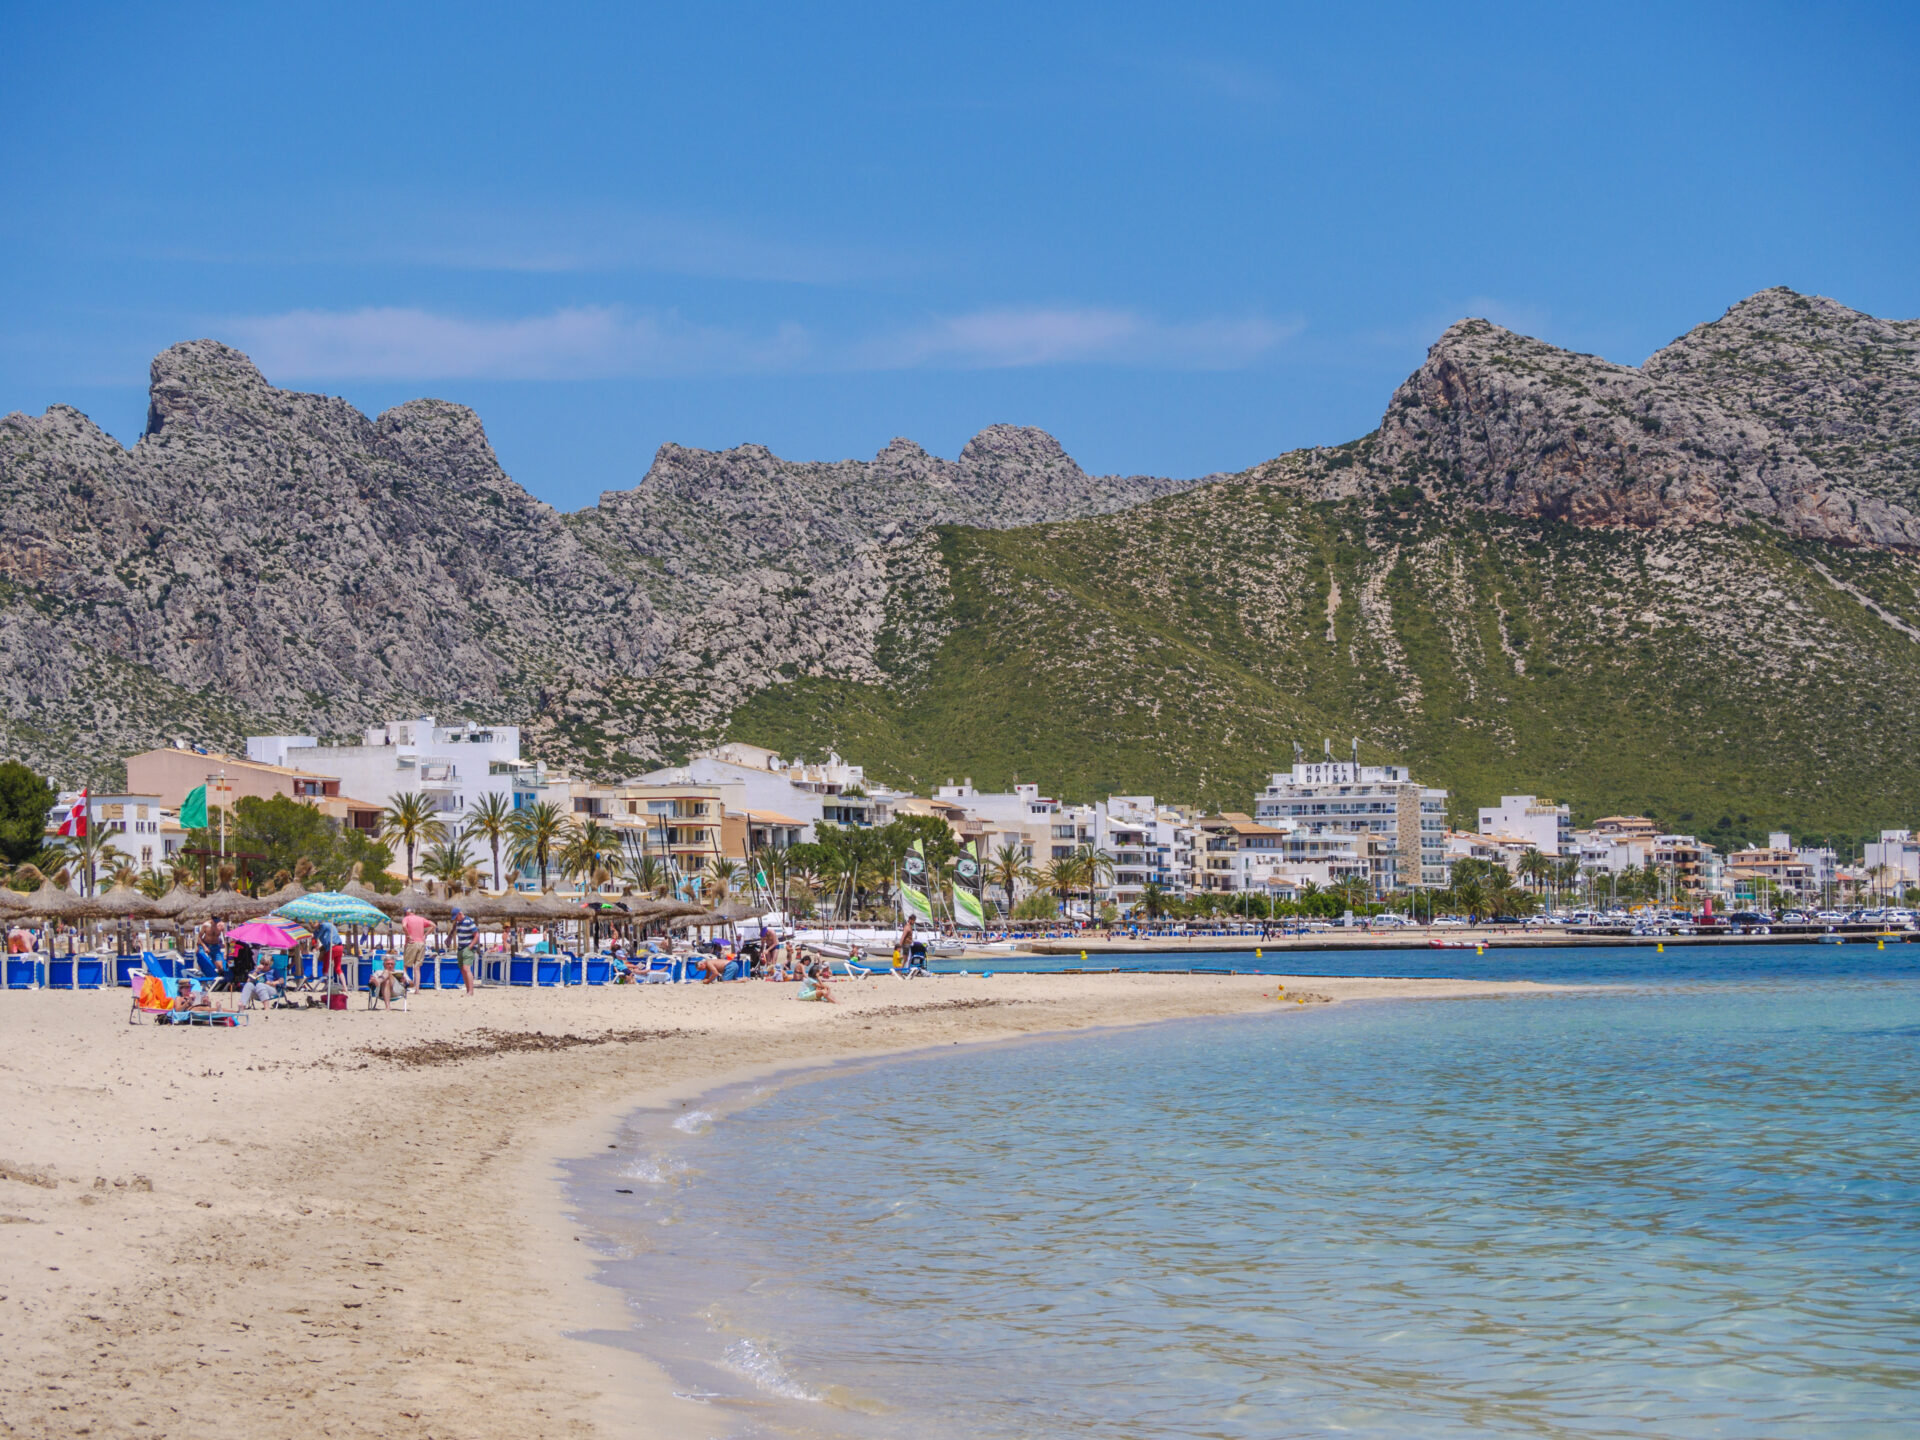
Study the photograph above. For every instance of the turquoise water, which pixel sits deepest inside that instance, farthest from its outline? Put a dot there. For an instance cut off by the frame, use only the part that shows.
(1670, 1209)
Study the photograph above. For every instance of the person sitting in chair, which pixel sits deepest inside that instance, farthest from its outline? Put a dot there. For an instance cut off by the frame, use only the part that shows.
(389, 984)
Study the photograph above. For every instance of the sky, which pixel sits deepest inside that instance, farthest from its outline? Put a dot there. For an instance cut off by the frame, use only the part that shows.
(1182, 238)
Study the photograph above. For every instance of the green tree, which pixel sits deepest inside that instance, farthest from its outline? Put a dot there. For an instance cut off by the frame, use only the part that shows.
(448, 862)
(90, 855)
(281, 829)
(1095, 865)
(1010, 869)
(492, 820)
(722, 875)
(1153, 900)
(538, 831)
(412, 821)
(357, 847)
(25, 799)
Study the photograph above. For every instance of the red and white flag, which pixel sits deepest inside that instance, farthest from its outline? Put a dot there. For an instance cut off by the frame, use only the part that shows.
(75, 823)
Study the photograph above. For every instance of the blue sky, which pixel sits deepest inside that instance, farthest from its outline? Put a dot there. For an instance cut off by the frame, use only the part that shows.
(1184, 238)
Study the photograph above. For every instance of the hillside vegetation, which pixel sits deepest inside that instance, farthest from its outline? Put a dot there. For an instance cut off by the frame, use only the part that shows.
(1725, 679)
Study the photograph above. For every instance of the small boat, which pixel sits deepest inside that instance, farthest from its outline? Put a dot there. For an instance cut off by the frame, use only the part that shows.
(1831, 939)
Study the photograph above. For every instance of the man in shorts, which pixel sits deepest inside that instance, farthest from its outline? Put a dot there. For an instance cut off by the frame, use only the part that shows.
(466, 943)
(417, 928)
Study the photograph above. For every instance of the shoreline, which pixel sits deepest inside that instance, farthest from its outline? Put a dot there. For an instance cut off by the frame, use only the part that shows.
(360, 1220)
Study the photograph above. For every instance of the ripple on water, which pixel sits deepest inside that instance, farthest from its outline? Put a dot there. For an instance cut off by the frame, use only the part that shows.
(1684, 1213)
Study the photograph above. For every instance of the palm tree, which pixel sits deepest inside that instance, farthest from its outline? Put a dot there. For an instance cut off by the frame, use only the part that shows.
(722, 873)
(586, 850)
(1535, 867)
(1009, 869)
(1095, 865)
(412, 821)
(537, 832)
(448, 862)
(90, 854)
(1061, 876)
(646, 873)
(1153, 900)
(492, 820)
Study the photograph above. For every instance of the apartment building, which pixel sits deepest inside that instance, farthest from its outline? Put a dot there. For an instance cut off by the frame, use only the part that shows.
(1778, 865)
(452, 766)
(787, 794)
(1537, 824)
(175, 772)
(1378, 813)
(1021, 816)
(1150, 845)
(1506, 851)
(1898, 852)
(1235, 854)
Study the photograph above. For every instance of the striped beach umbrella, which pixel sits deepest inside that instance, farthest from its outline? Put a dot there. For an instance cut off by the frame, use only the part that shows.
(332, 905)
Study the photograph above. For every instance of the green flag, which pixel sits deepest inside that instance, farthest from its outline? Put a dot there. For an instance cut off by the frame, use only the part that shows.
(193, 810)
(967, 909)
(916, 902)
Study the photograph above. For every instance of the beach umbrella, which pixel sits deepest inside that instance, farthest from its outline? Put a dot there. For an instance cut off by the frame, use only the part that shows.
(52, 902)
(332, 905)
(12, 902)
(418, 901)
(225, 905)
(174, 901)
(267, 933)
(285, 895)
(358, 889)
(124, 900)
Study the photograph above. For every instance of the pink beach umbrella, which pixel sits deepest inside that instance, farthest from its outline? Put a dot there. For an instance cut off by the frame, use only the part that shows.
(268, 934)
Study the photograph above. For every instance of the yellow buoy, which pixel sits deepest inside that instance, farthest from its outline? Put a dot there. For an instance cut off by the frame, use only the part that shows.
(1660, 948)
(1259, 954)
(1883, 944)
(1479, 949)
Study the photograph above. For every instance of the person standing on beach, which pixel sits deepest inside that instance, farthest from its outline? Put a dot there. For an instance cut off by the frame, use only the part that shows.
(417, 928)
(332, 953)
(466, 943)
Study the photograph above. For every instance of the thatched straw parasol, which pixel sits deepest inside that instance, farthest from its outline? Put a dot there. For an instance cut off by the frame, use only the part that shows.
(420, 902)
(174, 901)
(53, 902)
(12, 902)
(285, 895)
(360, 890)
(513, 905)
(124, 900)
(226, 905)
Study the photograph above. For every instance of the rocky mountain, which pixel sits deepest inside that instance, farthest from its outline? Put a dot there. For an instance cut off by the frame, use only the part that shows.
(263, 558)
(1688, 587)
(1791, 410)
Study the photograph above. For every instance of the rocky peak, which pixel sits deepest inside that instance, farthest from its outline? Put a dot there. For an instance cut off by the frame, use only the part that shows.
(439, 433)
(1003, 450)
(192, 382)
(1747, 418)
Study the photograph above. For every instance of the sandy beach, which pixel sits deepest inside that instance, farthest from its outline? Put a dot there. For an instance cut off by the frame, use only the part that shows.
(352, 1224)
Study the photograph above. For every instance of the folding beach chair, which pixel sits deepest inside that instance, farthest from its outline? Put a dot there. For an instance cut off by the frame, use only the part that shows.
(155, 995)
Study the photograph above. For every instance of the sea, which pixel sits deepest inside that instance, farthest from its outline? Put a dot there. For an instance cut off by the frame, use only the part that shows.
(1683, 1201)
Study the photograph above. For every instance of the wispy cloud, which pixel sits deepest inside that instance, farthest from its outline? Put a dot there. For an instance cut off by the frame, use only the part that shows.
(385, 231)
(571, 344)
(1012, 337)
(592, 342)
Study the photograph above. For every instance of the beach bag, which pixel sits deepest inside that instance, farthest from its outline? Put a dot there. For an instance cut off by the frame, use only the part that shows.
(337, 1000)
